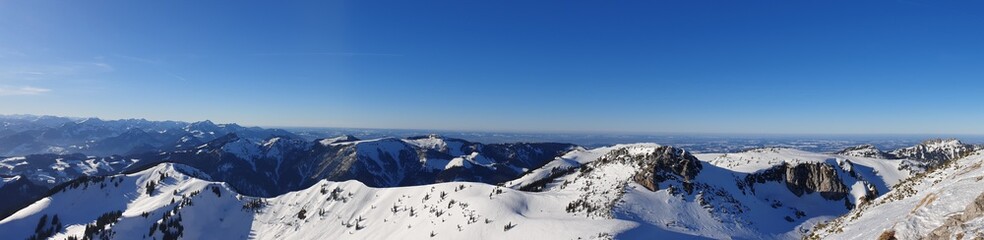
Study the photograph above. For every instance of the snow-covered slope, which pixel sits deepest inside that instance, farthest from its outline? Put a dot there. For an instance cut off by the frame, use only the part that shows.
(882, 173)
(454, 147)
(944, 203)
(338, 139)
(92, 204)
(632, 191)
(772, 193)
(163, 202)
(275, 166)
(865, 151)
(33, 175)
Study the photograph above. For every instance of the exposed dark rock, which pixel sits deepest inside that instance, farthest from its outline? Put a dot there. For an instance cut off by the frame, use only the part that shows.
(955, 222)
(664, 163)
(803, 178)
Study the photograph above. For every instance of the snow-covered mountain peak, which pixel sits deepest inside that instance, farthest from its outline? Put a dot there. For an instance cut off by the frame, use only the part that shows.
(757, 159)
(339, 139)
(168, 170)
(91, 121)
(202, 124)
(655, 163)
(270, 142)
(452, 146)
(171, 205)
(866, 150)
(101, 207)
(942, 142)
(639, 148)
(936, 151)
(467, 161)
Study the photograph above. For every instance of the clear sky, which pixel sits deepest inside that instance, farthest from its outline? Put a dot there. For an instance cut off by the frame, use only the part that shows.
(907, 66)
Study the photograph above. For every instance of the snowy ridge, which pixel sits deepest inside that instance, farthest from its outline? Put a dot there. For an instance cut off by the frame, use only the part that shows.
(936, 151)
(556, 191)
(690, 201)
(536, 178)
(945, 203)
(140, 197)
(438, 143)
(277, 165)
(208, 210)
(883, 173)
(865, 151)
(339, 139)
(467, 161)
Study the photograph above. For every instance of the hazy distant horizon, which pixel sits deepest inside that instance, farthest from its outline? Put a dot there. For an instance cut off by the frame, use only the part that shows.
(788, 67)
(598, 133)
(698, 142)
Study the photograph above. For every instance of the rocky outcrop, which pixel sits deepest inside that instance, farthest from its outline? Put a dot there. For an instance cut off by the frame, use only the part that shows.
(803, 178)
(661, 164)
(954, 224)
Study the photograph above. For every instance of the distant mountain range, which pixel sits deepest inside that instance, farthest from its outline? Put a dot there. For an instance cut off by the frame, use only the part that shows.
(224, 181)
(25, 135)
(269, 162)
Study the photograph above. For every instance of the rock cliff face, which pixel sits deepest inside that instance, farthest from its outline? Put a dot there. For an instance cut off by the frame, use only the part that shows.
(662, 164)
(804, 178)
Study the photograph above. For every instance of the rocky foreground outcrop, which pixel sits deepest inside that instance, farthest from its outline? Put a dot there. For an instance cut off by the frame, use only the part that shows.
(957, 223)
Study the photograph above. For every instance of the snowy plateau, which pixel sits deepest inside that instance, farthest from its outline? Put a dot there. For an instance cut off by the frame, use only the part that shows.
(249, 183)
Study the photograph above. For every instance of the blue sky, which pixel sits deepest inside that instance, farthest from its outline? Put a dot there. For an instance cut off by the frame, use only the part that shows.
(582, 66)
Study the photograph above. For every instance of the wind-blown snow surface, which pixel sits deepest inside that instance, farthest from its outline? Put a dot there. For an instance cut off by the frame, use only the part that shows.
(946, 203)
(589, 194)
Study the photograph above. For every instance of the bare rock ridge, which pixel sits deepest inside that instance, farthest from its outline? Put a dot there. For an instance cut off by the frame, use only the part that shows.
(662, 164)
(803, 178)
